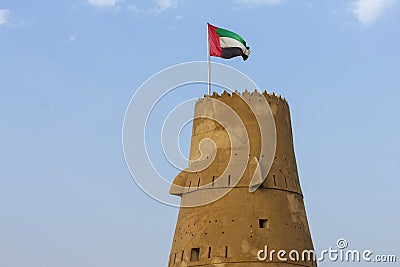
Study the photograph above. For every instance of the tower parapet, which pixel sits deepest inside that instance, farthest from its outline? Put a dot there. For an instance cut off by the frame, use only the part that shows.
(229, 230)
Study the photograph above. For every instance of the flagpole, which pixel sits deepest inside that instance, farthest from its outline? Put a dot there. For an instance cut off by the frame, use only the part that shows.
(209, 62)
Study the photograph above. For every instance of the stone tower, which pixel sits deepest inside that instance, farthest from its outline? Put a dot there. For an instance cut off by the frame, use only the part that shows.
(229, 213)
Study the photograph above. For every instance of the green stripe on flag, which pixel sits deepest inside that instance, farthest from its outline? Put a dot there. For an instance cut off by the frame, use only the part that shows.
(225, 33)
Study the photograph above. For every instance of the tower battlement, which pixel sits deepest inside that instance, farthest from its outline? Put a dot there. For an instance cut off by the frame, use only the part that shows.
(246, 94)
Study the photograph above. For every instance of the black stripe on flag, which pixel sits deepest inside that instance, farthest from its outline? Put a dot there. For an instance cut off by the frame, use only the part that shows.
(231, 52)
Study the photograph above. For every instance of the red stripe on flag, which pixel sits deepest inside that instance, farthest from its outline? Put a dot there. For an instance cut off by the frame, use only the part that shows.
(213, 39)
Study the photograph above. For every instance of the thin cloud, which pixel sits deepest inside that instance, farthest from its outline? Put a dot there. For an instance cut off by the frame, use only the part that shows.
(157, 7)
(103, 3)
(73, 38)
(260, 2)
(368, 12)
(162, 5)
(4, 16)
(135, 10)
(178, 18)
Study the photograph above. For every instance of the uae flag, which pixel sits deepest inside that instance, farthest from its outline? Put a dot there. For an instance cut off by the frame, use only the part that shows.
(226, 44)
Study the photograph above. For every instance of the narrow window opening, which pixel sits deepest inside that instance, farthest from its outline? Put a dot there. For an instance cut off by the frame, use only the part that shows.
(198, 184)
(226, 251)
(274, 180)
(190, 183)
(195, 254)
(174, 258)
(209, 252)
(286, 182)
(213, 181)
(229, 180)
(182, 255)
(263, 223)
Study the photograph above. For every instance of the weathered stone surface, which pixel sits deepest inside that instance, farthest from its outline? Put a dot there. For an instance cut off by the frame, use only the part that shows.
(231, 230)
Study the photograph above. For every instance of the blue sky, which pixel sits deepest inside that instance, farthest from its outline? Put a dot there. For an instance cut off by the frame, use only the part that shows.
(69, 68)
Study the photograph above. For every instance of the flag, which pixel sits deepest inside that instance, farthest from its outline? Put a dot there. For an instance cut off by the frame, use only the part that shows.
(226, 44)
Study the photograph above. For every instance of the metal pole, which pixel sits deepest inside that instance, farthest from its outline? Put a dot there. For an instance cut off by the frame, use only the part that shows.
(209, 64)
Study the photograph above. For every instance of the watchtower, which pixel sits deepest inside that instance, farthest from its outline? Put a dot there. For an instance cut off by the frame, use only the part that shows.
(229, 212)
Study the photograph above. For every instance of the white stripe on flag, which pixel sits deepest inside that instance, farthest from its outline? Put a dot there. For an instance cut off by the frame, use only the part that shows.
(227, 42)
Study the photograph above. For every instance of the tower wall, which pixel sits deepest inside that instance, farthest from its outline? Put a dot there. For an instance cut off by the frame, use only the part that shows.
(231, 230)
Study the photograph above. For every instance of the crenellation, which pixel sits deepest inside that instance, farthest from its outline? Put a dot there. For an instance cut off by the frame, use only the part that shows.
(249, 95)
(246, 93)
(226, 93)
(255, 93)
